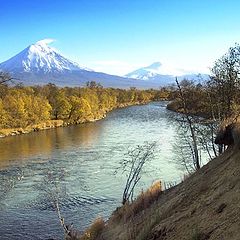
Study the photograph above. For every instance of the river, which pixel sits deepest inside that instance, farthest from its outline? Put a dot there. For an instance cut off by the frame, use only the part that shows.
(83, 158)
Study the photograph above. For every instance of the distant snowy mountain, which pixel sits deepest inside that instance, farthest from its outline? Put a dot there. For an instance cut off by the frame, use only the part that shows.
(40, 64)
(148, 72)
(163, 74)
(39, 58)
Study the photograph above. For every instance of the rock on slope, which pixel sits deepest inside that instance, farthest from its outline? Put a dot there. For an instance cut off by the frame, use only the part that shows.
(205, 206)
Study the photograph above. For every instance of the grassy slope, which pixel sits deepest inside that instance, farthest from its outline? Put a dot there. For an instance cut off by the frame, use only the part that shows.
(204, 206)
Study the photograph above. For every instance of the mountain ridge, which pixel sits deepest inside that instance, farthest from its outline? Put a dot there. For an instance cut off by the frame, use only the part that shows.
(39, 57)
(159, 72)
(39, 64)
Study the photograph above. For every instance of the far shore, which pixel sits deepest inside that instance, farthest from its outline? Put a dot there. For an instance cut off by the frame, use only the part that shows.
(49, 124)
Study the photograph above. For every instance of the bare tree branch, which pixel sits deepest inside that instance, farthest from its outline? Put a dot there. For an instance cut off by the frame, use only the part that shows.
(191, 127)
(133, 166)
(5, 77)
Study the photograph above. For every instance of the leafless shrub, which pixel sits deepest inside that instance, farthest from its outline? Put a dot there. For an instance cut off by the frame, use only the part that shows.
(133, 166)
(55, 190)
(189, 125)
(197, 134)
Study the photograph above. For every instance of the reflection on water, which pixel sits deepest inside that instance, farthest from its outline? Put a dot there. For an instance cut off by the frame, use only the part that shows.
(19, 148)
(87, 155)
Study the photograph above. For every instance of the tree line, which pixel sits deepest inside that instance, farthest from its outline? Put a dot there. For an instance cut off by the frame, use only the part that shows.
(219, 96)
(206, 105)
(21, 106)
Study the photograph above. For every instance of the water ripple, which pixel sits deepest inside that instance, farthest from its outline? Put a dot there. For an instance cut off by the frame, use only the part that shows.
(69, 202)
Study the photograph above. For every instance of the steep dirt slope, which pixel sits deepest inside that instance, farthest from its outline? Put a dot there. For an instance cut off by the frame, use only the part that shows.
(205, 206)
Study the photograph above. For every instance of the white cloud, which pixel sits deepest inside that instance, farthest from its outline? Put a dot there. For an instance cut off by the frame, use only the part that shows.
(110, 63)
(180, 66)
(46, 41)
(115, 67)
(121, 68)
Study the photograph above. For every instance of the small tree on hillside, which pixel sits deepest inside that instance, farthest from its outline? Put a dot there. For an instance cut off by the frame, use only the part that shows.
(133, 166)
(188, 124)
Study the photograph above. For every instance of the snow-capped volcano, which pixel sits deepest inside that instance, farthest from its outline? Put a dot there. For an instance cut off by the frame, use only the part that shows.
(146, 72)
(39, 64)
(155, 72)
(163, 74)
(156, 69)
(39, 58)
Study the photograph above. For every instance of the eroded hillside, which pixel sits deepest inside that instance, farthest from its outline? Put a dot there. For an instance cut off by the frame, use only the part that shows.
(204, 206)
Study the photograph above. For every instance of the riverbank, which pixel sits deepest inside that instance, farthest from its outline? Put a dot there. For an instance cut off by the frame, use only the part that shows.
(204, 206)
(49, 124)
(177, 107)
(86, 156)
(32, 128)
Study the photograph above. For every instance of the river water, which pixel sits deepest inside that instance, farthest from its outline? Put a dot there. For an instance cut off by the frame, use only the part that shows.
(82, 160)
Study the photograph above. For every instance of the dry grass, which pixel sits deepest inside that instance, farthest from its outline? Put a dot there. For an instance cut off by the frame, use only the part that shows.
(204, 206)
(142, 202)
(94, 230)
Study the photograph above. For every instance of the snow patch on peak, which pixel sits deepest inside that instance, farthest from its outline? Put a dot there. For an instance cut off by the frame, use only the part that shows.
(40, 49)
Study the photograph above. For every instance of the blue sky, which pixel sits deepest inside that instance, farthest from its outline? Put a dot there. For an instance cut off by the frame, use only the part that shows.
(117, 36)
